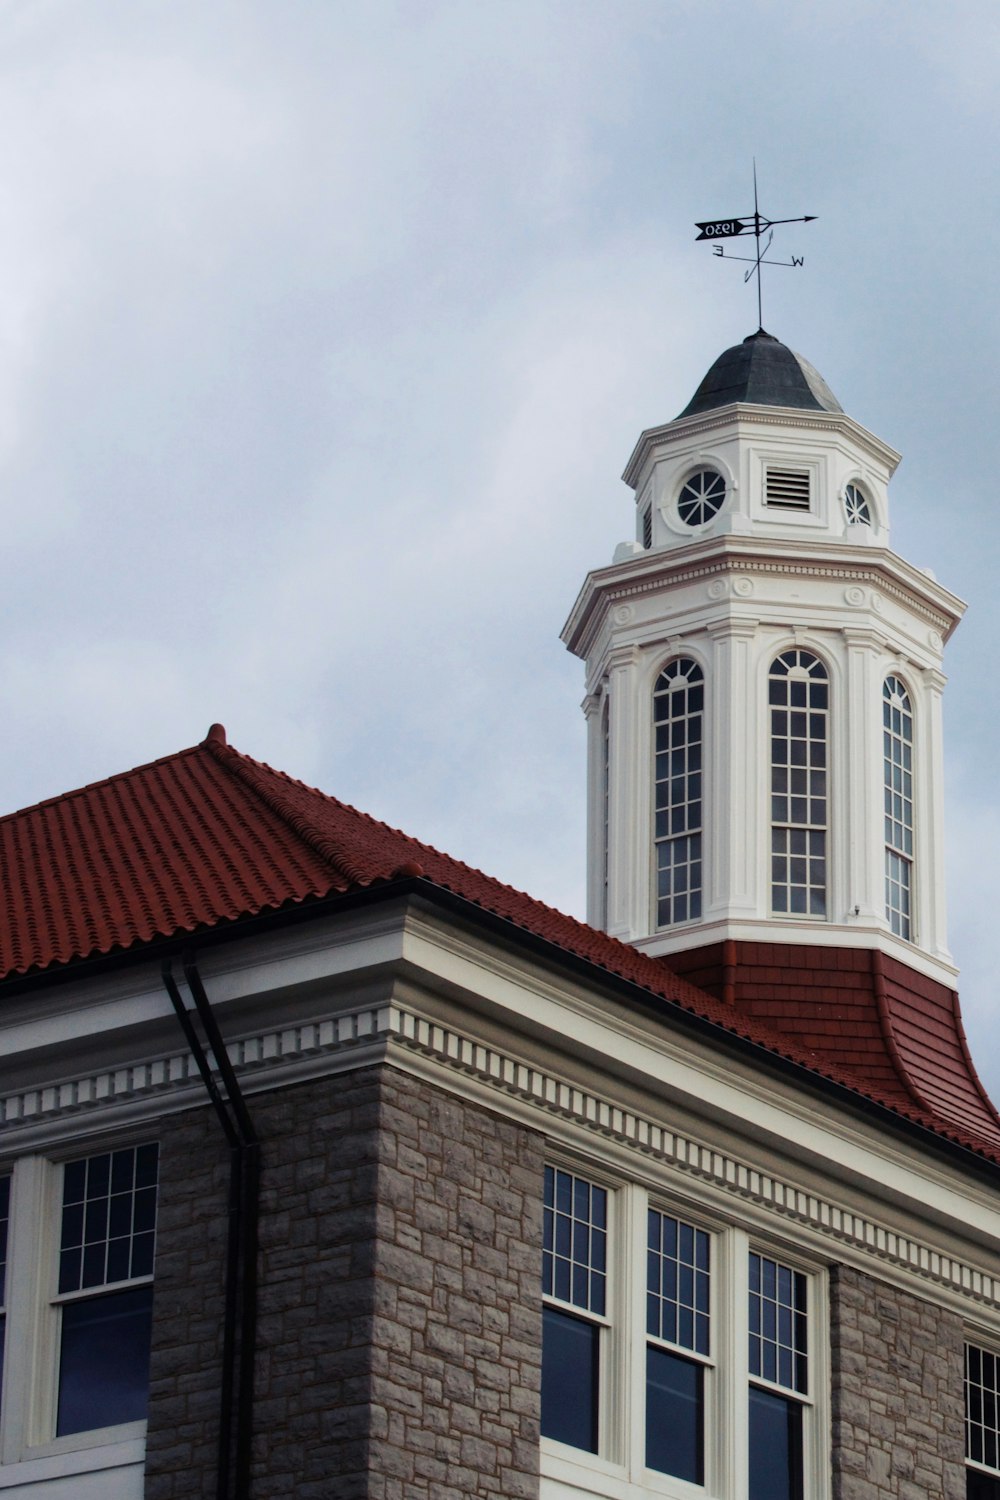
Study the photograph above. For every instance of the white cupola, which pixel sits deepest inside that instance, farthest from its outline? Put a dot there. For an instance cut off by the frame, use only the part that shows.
(764, 682)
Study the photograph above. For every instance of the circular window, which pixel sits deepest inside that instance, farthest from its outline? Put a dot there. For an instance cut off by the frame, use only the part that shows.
(701, 497)
(856, 506)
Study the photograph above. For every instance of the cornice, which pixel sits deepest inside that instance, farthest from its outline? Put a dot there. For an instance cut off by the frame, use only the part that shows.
(100, 1102)
(623, 582)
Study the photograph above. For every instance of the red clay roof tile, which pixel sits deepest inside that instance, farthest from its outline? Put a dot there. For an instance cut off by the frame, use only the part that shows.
(209, 836)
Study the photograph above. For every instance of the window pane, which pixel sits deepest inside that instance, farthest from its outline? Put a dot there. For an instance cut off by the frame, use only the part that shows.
(798, 758)
(897, 739)
(107, 1223)
(778, 1340)
(573, 1269)
(4, 1220)
(675, 1415)
(570, 1379)
(775, 1447)
(677, 1282)
(981, 1486)
(677, 718)
(104, 1360)
(982, 1407)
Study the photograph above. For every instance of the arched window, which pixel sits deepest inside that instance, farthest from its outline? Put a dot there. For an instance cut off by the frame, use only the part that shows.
(678, 714)
(798, 694)
(897, 748)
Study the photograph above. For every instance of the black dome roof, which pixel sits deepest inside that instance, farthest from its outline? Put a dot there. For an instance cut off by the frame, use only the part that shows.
(764, 371)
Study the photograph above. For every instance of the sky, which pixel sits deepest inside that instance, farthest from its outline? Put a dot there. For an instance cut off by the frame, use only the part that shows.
(326, 330)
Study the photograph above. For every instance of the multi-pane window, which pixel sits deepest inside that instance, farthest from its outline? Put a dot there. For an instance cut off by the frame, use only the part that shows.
(639, 1361)
(779, 1378)
(4, 1226)
(574, 1284)
(798, 694)
(678, 721)
(982, 1423)
(677, 1318)
(897, 743)
(107, 1240)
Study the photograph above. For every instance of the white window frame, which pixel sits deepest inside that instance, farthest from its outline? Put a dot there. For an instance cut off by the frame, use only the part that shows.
(618, 1469)
(28, 1402)
(903, 924)
(701, 832)
(791, 825)
(984, 1345)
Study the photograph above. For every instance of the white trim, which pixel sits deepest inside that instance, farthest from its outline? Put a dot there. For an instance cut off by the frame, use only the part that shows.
(273, 1058)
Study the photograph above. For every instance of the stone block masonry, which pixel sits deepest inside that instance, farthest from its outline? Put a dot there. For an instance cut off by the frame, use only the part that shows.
(399, 1349)
(456, 1359)
(898, 1405)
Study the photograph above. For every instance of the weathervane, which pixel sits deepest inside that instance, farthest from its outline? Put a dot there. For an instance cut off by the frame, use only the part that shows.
(757, 225)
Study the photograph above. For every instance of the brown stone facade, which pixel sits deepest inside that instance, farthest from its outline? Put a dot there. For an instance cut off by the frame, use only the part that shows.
(897, 1393)
(399, 1346)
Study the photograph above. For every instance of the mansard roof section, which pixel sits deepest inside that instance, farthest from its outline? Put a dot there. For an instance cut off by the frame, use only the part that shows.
(209, 837)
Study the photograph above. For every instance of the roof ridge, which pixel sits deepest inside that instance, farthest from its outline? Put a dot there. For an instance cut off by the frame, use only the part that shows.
(245, 766)
(257, 775)
(96, 786)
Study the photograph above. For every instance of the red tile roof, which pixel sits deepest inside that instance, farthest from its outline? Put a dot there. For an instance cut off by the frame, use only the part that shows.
(209, 836)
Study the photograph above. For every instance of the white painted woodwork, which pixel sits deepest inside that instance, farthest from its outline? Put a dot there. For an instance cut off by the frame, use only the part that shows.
(734, 593)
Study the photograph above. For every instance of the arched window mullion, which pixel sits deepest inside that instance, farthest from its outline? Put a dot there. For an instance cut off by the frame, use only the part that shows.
(798, 696)
(897, 745)
(678, 729)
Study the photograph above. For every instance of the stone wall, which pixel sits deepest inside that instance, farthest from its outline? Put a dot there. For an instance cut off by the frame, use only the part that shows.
(187, 1308)
(897, 1399)
(457, 1356)
(399, 1325)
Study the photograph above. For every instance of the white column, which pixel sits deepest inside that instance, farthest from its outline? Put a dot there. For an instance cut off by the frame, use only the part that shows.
(932, 933)
(857, 861)
(593, 712)
(628, 793)
(733, 772)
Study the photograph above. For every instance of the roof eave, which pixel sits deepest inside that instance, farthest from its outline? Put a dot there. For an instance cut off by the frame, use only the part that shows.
(750, 412)
(658, 1006)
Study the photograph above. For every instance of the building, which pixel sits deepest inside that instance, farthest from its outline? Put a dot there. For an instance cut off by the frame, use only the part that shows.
(455, 1196)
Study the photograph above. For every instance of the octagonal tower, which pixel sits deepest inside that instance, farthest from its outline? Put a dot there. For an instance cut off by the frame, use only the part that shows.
(764, 680)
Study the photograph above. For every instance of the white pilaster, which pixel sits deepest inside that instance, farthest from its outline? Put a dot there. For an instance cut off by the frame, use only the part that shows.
(930, 825)
(857, 825)
(628, 797)
(733, 773)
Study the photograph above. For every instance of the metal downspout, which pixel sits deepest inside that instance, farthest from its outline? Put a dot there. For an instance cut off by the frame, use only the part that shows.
(240, 1316)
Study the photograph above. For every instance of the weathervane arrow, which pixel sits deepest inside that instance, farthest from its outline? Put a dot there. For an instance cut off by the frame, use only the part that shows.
(757, 225)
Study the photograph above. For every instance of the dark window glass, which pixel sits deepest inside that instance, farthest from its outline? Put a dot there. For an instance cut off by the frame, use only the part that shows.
(775, 1447)
(4, 1222)
(570, 1379)
(675, 1415)
(108, 1218)
(574, 1255)
(798, 783)
(678, 704)
(104, 1361)
(980, 1486)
